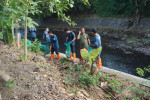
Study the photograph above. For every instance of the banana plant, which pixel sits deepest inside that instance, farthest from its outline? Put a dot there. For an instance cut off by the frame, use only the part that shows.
(90, 57)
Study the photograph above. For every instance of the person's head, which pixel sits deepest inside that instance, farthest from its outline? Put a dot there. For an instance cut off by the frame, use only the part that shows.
(82, 30)
(94, 31)
(67, 30)
(50, 33)
(46, 29)
(17, 21)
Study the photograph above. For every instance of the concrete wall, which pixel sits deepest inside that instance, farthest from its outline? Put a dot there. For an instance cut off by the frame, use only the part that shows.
(116, 23)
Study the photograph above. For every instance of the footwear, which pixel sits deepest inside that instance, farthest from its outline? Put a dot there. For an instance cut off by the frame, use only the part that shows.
(59, 57)
(74, 57)
(52, 56)
(99, 63)
(70, 57)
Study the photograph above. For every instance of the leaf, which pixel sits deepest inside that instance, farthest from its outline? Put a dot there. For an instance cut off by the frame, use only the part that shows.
(140, 71)
(107, 96)
(85, 54)
(94, 53)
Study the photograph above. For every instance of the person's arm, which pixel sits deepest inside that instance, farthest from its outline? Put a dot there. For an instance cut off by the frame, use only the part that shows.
(74, 37)
(89, 42)
(78, 37)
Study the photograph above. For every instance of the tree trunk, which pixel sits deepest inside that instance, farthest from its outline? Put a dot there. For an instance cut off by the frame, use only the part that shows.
(25, 36)
(92, 69)
(13, 32)
(17, 36)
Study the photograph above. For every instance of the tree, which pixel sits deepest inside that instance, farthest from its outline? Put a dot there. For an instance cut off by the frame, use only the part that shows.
(22, 8)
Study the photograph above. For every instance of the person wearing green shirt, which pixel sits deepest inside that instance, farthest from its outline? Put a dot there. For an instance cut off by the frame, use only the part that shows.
(84, 40)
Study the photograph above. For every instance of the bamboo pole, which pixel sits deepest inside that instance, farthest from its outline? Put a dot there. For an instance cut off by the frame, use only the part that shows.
(25, 36)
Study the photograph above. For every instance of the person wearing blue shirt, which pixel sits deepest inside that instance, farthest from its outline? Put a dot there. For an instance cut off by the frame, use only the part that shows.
(70, 38)
(46, 35)
(32, 34)
(54, 45)
(96, 43)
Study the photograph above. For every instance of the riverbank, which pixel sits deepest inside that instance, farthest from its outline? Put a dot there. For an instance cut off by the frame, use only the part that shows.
(39, 78)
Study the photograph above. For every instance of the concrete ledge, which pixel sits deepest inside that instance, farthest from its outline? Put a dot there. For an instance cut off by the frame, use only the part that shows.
(141, 81)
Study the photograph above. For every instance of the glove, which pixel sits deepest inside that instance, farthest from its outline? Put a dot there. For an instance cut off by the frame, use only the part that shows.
(70, 42)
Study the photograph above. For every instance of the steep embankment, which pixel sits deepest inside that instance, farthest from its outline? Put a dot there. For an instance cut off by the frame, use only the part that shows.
(30, 80)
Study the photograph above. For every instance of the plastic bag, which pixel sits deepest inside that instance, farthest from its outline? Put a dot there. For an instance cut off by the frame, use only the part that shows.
(45, 48)
(68, 50)
(90, 49)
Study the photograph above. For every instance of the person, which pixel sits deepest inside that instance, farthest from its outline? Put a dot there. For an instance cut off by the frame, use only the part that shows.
(17, 30)
(70, 38)
(84, 40)
(95, 45)
(32, 34)
(54, 45)
(46, 35)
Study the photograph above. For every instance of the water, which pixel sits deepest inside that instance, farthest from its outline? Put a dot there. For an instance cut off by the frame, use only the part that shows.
(110, 58)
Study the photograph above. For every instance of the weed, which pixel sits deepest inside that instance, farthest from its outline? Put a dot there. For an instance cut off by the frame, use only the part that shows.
(10, 84)
(21, 57)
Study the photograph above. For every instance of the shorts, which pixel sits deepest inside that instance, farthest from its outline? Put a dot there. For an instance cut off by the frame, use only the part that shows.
(32, 39)
(56, 50)
(72, 48)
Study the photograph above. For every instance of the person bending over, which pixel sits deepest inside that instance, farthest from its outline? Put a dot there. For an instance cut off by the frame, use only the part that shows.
(46, 35)
(32, 34)
(70, 38)
(54, 45)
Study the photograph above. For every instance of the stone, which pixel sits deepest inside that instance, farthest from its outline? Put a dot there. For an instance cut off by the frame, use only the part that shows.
(85, 93)
(1, 42)
(80, 94)
(39, 59)
(0, 97)
(4, 76)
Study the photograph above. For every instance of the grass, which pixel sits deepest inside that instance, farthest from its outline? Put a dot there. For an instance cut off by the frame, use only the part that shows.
(135, 40)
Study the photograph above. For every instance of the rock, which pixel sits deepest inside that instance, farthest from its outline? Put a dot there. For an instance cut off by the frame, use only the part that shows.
(103, 84)
(1, 42)
(0, 97)
(80, 94)
(0, 61)
(39, 59)
(4, 76)
(85, 93)
(147, 35)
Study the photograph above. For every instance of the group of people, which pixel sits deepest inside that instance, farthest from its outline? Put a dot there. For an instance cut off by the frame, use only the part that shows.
(52, 39)
(84, 38)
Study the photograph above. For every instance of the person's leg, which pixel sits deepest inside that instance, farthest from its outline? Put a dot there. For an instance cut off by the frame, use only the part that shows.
(52, 53)
(57, 52)
(74, 54)
(81, 59)
(70, 53)
(99, 61)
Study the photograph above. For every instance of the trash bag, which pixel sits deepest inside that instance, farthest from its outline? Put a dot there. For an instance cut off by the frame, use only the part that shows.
(68, 50)
(29, 42)
(45, 48)
(90, 49)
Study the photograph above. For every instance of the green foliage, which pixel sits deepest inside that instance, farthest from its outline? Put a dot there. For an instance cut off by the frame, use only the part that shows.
(92, 56)
(36, 46)
(1, 35)
(143, 72)
(10, 84)
(85, 80)
(136, 40)
(21, 57)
